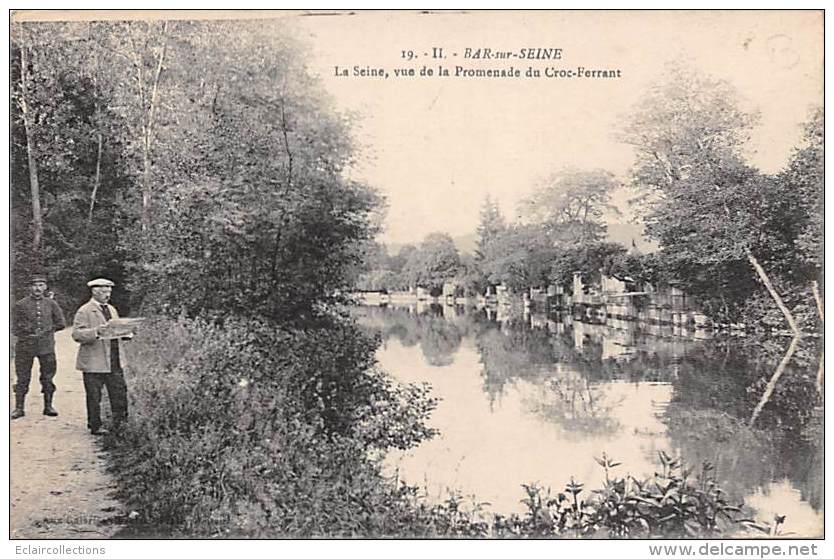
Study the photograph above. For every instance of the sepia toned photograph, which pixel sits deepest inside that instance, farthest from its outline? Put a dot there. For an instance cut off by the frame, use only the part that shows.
(389, 274)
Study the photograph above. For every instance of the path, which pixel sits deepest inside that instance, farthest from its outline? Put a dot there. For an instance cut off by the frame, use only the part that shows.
(59, 486)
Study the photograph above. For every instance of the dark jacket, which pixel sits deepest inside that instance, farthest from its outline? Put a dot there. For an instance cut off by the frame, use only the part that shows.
(34, 323)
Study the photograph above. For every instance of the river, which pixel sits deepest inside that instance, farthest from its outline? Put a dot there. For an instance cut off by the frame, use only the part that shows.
(535, 398)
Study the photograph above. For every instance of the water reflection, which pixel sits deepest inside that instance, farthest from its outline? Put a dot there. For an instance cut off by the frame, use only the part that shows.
(535, 398)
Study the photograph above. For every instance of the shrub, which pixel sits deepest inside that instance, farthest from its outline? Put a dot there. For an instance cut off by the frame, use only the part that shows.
(671, 504)
(244, 429)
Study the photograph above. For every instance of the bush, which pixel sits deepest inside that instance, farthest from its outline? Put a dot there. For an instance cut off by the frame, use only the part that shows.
(671, 504)
(242, 429)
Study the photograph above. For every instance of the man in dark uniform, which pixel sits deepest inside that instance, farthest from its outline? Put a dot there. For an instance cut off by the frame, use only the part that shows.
(35, 320)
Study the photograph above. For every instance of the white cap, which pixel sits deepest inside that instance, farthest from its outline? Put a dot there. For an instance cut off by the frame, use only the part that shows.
(100, 282)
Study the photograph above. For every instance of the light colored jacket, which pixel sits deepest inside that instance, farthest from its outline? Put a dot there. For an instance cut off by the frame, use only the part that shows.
(94, 353)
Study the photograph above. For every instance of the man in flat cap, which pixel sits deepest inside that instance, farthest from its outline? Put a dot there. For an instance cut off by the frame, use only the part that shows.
(35, 320)
(100, 358)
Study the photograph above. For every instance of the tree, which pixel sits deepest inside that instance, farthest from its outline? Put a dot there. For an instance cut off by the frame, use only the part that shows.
(138, 52)
(376, 280)
(804, 178)
(470, 277)
(434, 262)
(680, 125)
(572, 204)
(62, 151)
(519, 257)
(372, 257)
(398, 261)
(25, 110)
(700, 199)
(588, 259)
(254, 211)
(490, 226)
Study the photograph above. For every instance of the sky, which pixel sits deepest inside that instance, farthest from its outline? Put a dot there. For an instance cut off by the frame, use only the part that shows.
(435, 147)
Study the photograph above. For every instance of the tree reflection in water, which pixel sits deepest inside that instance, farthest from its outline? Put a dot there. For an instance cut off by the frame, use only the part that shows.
(715, 392)
(579, 406)
(438, 337)
(570, 374)
(725, 374)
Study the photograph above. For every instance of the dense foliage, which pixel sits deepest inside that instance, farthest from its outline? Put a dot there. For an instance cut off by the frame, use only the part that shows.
(713, 214)
(434, 261)
(72, 145)
(183, 153)
(245, 429)
(264, 223)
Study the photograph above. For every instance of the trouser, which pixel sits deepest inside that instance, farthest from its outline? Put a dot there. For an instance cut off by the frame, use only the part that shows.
(23, 368)
(116, 393)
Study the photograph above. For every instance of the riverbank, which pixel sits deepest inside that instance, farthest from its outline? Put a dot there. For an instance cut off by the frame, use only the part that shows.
(60, 488)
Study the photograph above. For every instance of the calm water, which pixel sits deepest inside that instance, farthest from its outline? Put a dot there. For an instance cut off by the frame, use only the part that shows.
(535, 398)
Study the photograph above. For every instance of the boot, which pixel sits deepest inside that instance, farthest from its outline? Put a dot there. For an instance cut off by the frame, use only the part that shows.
(47, 406)
(19, 404)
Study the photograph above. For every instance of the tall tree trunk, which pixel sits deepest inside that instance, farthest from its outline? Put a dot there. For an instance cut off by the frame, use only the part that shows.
(37, 218)
(774, 295)
(100, 137)
(96, 181)
(764, 277)
(146, 183)
(148, 128)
